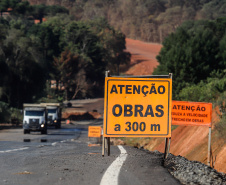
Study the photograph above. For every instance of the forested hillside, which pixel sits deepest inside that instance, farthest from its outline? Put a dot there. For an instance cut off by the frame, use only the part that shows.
(35, 50)
(147, 20)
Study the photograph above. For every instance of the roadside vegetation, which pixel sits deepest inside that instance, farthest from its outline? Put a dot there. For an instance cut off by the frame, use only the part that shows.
(146, 20)
(44, 45)
(196, 55)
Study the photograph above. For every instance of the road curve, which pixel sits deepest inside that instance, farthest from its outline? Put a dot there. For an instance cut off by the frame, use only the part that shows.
(68, 156)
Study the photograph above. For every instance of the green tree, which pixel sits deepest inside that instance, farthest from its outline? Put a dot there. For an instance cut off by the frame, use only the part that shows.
(3, 31)
(39, 12)
(20, 7)
(205, 91)
(68, 66)
(24, 77)
(4, 5)
(84, 42)
(222, 51)
(191, 54)
(47, 40)
(113, 43)
(55, 9)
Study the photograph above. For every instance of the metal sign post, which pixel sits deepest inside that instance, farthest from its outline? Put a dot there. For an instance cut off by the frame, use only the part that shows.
(106, 140)
(209, 147)
(167, 147)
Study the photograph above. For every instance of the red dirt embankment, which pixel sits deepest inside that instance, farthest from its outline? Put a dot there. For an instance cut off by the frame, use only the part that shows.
(188, 141)
(143, 57)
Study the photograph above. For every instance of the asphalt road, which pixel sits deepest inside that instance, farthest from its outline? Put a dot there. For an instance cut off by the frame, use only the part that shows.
(68, 156)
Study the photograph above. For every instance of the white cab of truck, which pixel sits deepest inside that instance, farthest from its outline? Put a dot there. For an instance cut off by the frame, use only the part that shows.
(54, 114)
(34, 118)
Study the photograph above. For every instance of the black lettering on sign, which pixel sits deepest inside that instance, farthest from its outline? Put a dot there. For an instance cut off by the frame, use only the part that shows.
(137, 89)
(161, 89)
(119, 107)
(128, 89)
(114, 89)
(153, 90)
(142, 126)
(159, 110)
(197, 120)
(149, 111)
(135, 126)
(155, 127)
(137, 110)
(128, 110)
(94, 131)
(121, 86)
(117, 127)
(143, 91)
(128, 126)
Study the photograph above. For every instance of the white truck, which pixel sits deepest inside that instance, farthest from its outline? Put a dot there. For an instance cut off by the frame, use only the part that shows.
(34, 118)
(54, 114)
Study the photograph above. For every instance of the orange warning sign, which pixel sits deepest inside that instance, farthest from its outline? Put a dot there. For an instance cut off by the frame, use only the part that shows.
(94, 131)
(137, 107)
(191, 113)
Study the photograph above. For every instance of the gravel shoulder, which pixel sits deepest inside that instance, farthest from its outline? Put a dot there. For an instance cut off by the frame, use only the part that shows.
(193, 172)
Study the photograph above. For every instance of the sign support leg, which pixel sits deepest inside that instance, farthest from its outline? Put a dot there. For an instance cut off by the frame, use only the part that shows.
(209, 147)
(103, 146)
(105, 143)
(167, 147)
(108, 143)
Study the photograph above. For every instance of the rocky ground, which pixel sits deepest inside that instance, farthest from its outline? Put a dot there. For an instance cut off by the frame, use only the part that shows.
(192, 172)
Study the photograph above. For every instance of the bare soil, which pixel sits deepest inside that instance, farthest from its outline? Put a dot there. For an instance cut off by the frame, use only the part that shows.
(143, 57)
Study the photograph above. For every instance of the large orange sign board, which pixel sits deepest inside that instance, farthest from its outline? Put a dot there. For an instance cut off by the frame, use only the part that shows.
(191, 113)
(94, 131)
(137, 107)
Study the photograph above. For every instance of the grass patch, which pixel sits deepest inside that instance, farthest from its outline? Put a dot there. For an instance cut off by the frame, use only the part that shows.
(221, 128)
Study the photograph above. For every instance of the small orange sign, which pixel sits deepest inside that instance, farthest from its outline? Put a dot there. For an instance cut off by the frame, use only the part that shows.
(137, 107)
(94, 131)
(191, 113)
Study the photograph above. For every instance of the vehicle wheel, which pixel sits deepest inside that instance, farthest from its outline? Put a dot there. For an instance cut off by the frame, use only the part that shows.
(44, 132)
(27, 140)
(26, 131)
(58, 126)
